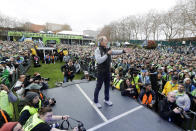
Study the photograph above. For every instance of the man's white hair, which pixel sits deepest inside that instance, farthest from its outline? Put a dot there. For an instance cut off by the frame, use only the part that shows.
(171, 93)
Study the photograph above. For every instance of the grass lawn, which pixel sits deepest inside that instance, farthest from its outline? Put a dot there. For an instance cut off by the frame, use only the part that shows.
(52, 71)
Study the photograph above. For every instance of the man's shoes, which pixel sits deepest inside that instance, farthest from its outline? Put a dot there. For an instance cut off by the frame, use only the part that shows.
(98, 105)
(109, 103)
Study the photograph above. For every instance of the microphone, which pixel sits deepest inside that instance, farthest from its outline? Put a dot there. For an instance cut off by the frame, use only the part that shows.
(108, 49)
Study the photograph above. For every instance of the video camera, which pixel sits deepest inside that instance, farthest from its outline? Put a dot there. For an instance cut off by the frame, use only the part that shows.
(183, 113)
(53, 101)
(27, 80)
(80, 125)
(45, 79)
(28, 77)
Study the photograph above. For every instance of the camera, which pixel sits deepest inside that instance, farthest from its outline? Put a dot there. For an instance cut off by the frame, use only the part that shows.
(53, 102)
(81, 127)
(45, 79)
(28, 77)
(183, 113)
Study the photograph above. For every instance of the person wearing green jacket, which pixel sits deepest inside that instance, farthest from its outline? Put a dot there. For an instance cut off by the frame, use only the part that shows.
(5, 74)
(6, 100)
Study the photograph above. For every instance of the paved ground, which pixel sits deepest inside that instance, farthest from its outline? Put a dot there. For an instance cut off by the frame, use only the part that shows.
(76, 100)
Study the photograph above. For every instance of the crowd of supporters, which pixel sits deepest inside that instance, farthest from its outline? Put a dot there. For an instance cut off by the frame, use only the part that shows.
(163, 80)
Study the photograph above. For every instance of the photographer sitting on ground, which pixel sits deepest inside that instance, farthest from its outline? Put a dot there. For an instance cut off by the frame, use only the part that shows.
(38, 122)
(135, 80)
(147, 96)
(42, 81)
(34, 87)
(117, 81)
(33, 103)
(68, 71)
(168, 109)
(128, 90)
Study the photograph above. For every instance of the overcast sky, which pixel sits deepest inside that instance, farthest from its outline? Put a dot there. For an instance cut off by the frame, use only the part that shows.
(80, 14)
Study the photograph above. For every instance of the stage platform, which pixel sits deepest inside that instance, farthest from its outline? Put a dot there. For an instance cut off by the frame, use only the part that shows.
(76, 100)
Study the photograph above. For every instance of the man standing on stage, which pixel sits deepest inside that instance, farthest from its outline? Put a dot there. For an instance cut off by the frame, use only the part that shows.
(103, 58)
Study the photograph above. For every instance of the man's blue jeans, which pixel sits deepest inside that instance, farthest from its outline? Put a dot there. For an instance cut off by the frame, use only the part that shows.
(102, 78)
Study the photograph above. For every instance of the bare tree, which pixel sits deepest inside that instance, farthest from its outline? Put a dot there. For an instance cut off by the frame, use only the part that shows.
(155, 24)
(146, 26)
(170, 25)
(106, 31)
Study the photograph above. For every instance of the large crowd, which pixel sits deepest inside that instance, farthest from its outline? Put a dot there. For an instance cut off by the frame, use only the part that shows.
(163, 79)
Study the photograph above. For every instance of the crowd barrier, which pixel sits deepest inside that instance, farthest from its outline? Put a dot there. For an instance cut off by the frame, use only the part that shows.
(21, 69)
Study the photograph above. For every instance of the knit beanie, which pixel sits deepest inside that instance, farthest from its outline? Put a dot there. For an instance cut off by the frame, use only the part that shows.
(30, 96)
(8, 126)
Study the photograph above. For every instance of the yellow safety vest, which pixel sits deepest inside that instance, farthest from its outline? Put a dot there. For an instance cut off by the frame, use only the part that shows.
(113, 75)
(118, 84)
(136, 79)
(32, 122)
(114, 82)
(32, 110)
(5, 104)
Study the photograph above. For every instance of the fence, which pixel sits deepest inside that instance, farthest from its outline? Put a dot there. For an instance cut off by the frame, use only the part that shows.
(21, 69)
(166, 43)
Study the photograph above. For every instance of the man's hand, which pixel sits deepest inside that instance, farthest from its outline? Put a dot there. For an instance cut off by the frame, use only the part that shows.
(129, 89)
(75, 129)
(150, 105)
(65, 117)
(176, 110)
(63, 73)
(4, 87)
(109, 52)
(127, 50)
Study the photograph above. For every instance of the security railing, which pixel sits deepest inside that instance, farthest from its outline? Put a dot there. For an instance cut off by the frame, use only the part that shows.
(21, 69)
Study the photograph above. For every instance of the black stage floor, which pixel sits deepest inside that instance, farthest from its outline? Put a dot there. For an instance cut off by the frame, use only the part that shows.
(76, 100)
